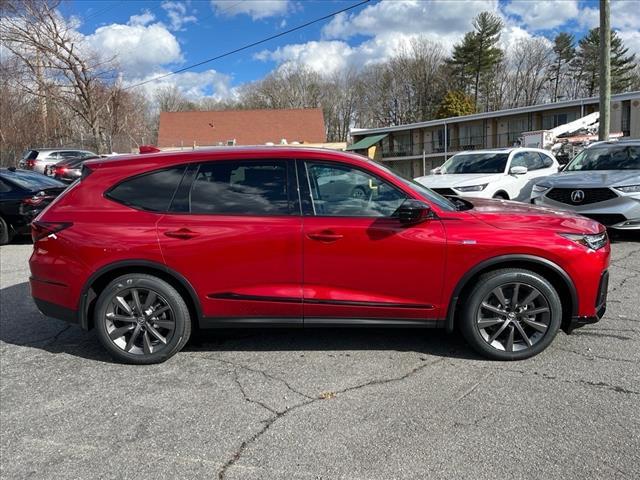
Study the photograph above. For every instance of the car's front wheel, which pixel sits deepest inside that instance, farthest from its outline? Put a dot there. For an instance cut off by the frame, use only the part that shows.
(511, 314)
(142, 319)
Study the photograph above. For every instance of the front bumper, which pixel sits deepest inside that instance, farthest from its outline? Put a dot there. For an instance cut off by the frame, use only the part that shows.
(601, 307)
(622, 212)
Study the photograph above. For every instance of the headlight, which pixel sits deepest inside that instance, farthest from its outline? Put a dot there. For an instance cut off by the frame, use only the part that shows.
(595, 241)
(472, 188)
(629, 189)
(540, 188)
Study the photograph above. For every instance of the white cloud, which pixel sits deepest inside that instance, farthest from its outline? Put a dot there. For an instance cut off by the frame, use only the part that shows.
(325, 57)
(195, 85)
(139, 48)
(631, 40)
(256, 9)
(447, 20)
(142, 19)
(545, 15)
(178, 15)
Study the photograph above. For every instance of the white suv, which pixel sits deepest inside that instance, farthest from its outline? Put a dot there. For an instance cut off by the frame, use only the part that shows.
(508, 173)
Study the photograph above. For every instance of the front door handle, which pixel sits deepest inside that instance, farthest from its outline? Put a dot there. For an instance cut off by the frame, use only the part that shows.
(326, 236)
(182, 234)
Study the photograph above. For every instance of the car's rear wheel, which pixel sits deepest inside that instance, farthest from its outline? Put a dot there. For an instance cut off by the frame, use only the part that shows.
(501, 196)
(511, 314)
(141, 319)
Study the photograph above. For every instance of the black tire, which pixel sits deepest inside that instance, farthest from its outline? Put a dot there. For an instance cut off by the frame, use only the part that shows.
(176, 314)
(542, 327)
(501, 196)
(6, 233)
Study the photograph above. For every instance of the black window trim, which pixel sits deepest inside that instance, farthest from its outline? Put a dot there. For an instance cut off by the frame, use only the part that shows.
(293, 192)
(107, 192)
(307, 189)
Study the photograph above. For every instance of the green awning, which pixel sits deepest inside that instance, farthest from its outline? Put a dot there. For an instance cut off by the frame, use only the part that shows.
(366, 142)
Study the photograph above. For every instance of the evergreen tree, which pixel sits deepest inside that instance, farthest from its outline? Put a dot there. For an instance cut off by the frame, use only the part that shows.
(588, 63)
(478, 53)
(454, 104)
(564, 52)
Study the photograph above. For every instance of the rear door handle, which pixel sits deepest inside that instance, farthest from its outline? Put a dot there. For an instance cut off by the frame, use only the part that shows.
(182, 234)
(326, 236)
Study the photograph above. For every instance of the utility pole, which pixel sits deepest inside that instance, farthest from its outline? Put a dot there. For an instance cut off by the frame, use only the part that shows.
(605, 70)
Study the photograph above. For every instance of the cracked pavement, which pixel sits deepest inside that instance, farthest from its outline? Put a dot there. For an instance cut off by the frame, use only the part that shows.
(319, 404)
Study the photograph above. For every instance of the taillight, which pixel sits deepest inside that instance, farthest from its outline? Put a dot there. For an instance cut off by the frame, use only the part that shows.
(37, 199)
(60, 170)
(39, 230)
(30, 163)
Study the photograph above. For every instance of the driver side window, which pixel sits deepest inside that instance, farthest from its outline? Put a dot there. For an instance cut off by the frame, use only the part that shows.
(343, 191)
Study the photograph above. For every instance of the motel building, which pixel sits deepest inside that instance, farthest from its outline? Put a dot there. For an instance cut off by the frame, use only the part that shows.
(414, 149)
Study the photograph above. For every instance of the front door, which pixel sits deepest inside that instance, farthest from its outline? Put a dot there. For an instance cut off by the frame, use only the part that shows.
(235, 231)
(361, 265)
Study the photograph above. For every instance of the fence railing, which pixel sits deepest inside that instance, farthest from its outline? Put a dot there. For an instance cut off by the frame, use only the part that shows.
(502, 140)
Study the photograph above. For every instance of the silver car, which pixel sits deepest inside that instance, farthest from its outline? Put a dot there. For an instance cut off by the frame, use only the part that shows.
(39, 159)
(602, 182)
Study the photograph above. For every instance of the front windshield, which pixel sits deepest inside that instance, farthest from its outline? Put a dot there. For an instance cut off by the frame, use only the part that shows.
(617, 157)
(434, 197)
(476, 163)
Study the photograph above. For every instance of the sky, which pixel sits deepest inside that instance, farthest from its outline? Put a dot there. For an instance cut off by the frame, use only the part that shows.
(150, 38)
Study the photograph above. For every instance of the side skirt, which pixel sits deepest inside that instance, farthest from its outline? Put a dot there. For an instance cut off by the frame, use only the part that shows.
(313, 322)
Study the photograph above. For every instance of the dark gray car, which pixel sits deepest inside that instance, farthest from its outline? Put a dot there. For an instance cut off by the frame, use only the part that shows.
(602, 182)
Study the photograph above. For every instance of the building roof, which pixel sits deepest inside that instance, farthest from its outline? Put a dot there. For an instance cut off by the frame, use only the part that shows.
(366, 142)
(246, 127)
(498, 113)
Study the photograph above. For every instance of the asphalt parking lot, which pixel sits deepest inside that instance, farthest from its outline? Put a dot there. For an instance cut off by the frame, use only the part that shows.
(320, 404)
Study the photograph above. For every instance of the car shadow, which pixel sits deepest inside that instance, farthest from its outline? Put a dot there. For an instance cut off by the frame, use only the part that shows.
(22, 324)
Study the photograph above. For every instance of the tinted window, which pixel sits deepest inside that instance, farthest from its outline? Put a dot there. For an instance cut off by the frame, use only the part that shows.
(30, 155)
(339, 190)
(476, 163)
(152, 191)
(248, 187)
(607, 158)
(32, 181)
(546, 160)
(5, 187)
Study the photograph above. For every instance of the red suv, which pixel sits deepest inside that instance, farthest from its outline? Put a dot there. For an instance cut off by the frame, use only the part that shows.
(147, 248)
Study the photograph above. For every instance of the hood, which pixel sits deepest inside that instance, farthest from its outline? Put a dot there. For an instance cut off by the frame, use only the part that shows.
(593, 178)
(508, 215)
(457, 179)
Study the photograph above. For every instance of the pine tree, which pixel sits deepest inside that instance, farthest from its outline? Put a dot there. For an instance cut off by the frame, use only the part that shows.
(478, 53)
(564, 52)
(588, 63)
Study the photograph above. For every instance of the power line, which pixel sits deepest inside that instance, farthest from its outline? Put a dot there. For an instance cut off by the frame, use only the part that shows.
(250, 45)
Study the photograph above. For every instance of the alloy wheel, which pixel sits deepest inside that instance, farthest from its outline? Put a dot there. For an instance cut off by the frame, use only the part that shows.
(139, 321)
(513, 317)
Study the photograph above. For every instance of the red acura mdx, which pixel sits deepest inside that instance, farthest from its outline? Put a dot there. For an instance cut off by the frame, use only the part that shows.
(147, 248)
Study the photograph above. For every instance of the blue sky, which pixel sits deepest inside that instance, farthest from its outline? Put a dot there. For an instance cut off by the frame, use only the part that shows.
(149, 38)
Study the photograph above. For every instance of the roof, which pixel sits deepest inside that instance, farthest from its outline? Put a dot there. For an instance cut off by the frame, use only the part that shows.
(366, 142)
(497, 113)
(246, 127)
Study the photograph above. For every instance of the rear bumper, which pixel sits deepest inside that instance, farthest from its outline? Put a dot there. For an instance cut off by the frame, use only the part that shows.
(59, 312)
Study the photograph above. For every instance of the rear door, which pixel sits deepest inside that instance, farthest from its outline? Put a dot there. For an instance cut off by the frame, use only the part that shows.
(234, 230)
(361, 265)
(538, 166)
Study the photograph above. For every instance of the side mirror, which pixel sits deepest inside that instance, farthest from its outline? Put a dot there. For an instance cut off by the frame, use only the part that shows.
(412, 212)
(436, 171)
(518, 170)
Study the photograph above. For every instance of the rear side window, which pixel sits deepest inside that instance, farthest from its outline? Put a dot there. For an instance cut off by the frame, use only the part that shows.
(246, 187)
(30, 155)
(546, 160)
(152, 191)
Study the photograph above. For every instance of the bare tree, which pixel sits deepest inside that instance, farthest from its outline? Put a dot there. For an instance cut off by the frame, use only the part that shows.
(530, 59)
(56, 65)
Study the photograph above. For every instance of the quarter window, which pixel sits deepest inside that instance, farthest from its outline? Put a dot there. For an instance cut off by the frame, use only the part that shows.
(250, 187)
(339, 190)
(152, 191)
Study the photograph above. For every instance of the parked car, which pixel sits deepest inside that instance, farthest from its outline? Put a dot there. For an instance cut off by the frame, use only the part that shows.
(23, 195)
(39, 159)
(602, 182)
(507, 173)
(146, 251)
(68, 170)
